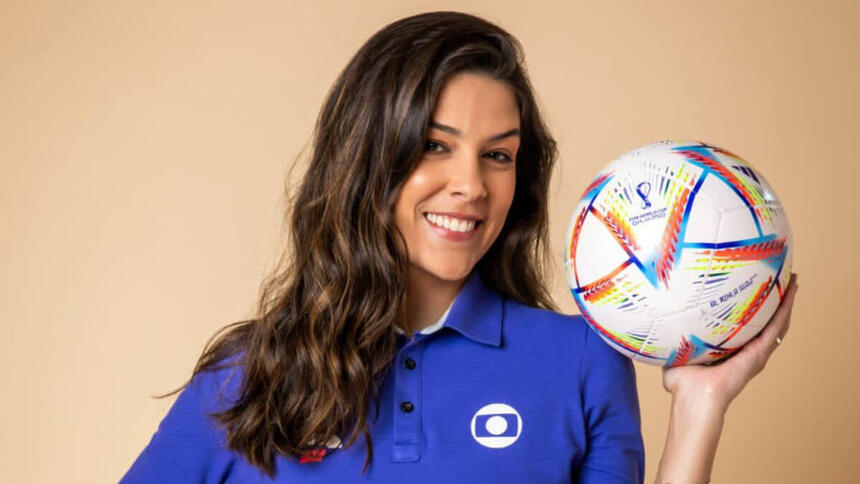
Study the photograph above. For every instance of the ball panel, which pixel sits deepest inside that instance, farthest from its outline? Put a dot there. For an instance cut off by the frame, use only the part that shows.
(670, 334)
(633, 208)
(754, 183)
(739, 303)
(618, 306)
(772, 219)
(787, 265)
(718, 193)
(684, 288)
(624, 297)
(596, 253)
(702, 223)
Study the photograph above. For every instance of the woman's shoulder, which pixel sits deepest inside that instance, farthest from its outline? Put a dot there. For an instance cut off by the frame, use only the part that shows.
(572, 331)
(189, 444)
(522, 317)
(217, 386)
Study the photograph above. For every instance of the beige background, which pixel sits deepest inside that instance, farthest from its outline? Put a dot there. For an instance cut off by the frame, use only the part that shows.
(143, 149)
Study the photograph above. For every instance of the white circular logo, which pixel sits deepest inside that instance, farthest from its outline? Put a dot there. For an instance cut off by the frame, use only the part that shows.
(496, 425)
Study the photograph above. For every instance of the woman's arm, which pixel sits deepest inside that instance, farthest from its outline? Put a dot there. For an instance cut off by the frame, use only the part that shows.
(188, 446)
(694, 432)
(702, 394)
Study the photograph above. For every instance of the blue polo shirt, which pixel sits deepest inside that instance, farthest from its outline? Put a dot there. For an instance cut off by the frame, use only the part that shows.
(496, 392)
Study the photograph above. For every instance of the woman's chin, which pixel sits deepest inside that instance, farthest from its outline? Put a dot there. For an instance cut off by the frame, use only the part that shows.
(449, 272)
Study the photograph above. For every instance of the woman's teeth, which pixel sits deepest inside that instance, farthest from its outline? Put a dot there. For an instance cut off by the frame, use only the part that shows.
(450, 223)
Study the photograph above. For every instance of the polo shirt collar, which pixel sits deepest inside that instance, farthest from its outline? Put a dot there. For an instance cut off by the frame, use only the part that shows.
(433, 327)
(477, 312)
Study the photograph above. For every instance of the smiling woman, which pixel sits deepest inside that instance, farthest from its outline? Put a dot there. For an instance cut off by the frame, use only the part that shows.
(430, 128)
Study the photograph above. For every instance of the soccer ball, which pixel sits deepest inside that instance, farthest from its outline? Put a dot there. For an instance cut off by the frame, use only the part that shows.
(678, 253)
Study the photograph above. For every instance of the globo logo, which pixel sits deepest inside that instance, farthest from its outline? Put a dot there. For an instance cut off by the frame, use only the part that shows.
(496, 425)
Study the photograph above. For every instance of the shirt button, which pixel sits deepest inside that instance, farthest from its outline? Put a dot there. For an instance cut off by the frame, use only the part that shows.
(407, 407)
(410, 363)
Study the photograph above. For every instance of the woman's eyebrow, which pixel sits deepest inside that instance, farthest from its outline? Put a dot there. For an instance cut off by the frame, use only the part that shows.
(456, 132)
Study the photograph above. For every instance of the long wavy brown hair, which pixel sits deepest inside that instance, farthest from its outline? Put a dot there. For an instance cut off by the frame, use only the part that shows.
(324, 334)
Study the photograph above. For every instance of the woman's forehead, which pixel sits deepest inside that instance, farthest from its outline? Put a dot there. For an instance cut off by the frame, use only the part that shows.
(476, 105)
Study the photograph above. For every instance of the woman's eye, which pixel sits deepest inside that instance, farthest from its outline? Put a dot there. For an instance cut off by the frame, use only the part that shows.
(498, 156)
(432, 146)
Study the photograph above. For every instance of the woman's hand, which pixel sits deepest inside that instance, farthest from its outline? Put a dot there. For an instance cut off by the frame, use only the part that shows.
(723, 381)
(701, 395)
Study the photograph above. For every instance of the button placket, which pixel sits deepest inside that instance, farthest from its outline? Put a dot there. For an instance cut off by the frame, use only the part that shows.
(407, 403)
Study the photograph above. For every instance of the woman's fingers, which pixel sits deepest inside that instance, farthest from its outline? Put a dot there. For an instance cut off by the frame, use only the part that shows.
(781, 319)
(758, 350)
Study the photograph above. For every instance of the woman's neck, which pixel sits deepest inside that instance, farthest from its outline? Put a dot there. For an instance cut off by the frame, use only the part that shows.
(427, 298)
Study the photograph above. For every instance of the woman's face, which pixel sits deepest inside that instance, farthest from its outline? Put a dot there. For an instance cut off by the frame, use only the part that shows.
(454, 204)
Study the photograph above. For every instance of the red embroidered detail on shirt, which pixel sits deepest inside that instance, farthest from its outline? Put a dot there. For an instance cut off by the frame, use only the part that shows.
(314, 455)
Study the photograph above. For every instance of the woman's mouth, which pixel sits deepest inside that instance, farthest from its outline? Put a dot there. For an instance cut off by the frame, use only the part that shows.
(452, 228)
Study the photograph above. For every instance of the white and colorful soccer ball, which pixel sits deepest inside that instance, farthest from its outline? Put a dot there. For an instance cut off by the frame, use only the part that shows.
(678, 253)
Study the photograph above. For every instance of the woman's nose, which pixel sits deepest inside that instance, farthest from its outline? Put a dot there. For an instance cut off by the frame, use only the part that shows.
(467, 178)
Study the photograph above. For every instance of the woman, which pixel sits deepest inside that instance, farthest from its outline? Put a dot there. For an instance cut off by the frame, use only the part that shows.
(409, 337)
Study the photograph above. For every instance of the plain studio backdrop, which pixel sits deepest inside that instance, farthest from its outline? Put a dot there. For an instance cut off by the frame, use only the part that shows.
(144, 147)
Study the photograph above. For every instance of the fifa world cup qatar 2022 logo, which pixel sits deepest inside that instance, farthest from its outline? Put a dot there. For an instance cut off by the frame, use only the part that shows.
(642, 190)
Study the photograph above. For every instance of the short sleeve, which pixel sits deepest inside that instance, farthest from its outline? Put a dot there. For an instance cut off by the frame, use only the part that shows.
(189, 446)
(615, 451)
